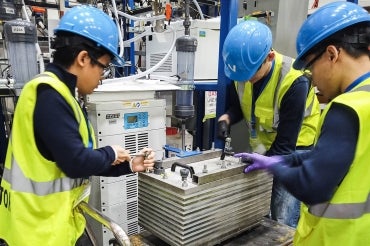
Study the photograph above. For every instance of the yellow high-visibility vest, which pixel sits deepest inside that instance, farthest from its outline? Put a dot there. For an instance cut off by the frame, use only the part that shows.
(345, 219)
(39, 208)
(268, 103)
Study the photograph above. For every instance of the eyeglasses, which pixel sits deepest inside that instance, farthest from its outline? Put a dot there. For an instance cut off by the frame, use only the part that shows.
(308, 66)
(106, 68)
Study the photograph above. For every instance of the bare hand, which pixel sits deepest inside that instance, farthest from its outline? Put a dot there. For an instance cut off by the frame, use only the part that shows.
(122, 155)
(142, 163)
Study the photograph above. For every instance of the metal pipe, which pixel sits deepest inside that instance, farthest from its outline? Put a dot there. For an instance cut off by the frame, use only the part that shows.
(183, 130)
(118, 232)
(187, 17)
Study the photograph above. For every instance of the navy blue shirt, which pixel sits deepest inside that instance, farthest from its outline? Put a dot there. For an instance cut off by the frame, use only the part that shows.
(58, 138)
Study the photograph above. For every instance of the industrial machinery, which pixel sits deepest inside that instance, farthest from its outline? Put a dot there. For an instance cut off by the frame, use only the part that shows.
(202, 200)
(207, 33)
(185, 46)
(20, 37)
(128, 115)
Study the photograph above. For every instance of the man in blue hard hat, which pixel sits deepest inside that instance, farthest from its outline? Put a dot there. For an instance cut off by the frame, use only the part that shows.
(277, 102)
(333, 179)
(52, 149)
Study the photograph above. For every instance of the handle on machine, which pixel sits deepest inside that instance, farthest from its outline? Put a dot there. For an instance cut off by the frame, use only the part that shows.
(190, 168)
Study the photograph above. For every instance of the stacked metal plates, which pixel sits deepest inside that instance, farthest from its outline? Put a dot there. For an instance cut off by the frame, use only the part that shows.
(204, 202)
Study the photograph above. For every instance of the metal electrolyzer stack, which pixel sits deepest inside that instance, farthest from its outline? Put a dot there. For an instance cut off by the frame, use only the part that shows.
(20, 40)
(201, 200)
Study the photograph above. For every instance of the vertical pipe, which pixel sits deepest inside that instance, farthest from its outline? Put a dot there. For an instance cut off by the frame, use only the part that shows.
(199, 98)
(229, 15)
(183, 131)
(187, 17)
(132, 45)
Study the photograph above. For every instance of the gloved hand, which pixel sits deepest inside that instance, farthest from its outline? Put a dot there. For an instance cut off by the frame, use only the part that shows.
(223, 129)
(259, 161)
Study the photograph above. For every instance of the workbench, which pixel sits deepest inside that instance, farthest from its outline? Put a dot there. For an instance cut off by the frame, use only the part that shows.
(268, 232)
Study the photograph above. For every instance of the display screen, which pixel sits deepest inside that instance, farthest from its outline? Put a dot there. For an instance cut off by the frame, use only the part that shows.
(132, 119)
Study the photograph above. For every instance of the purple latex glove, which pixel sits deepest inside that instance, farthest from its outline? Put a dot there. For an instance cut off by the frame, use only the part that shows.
(259, 161)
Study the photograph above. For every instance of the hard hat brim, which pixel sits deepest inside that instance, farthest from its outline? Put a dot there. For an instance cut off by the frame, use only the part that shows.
(118, 61)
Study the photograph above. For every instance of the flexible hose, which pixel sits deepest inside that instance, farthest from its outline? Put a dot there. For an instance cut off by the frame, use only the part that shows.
(199, 9)
(120, 37)
(152, 69)
(117, 231)
(131, 17)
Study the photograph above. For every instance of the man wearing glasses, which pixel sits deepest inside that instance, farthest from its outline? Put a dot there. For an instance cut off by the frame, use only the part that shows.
(277, 101)
(333, 179)
(52, 149)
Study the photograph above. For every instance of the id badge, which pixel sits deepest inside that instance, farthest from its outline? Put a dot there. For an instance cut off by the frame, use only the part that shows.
(252, 130)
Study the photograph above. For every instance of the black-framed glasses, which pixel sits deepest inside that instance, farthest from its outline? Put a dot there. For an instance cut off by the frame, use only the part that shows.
(106, 68)
(308, 66)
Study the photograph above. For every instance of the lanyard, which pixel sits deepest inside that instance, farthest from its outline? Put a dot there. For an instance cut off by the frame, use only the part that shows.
(256, 92)
(357, 81)
(90, 145)
(83, 107)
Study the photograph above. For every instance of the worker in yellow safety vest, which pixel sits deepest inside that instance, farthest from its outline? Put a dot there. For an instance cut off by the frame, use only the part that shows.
(333, 179)
(52, 150)
(277, 101)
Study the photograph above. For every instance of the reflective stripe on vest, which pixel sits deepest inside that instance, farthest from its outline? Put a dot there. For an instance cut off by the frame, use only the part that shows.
(308, 110)
(287, 61)
(20, 183)
(362, 88)
(240, 88)
(341, 211)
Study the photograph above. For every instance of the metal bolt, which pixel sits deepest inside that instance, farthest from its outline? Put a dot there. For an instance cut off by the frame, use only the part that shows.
(205, 168)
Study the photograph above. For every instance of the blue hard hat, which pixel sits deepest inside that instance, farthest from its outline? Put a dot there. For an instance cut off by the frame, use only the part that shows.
(95, 25)
(324, 22)
(245, 48)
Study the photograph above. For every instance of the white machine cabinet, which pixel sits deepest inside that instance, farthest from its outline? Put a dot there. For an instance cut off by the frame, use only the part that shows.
(134, 124)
